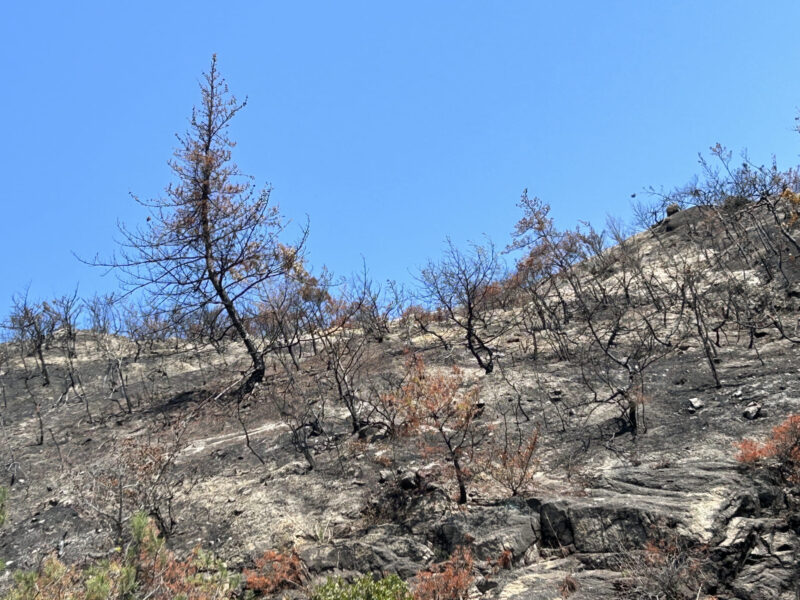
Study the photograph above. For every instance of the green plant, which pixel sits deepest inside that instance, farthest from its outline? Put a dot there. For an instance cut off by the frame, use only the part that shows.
(364, 588)
(98, 586)
(145, 569)
(24, 586)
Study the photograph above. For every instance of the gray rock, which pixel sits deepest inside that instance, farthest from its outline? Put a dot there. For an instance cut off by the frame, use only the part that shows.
(295, 467)
(556, 526)
(598, 525)
(557, 579)
(752, 411)
(409, 480)
(382, 550)
(626, 510)
(696, 404)
(490, 530)
(767, 576)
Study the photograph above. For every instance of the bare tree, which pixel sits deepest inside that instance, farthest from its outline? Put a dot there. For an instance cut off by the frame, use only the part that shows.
(511, 458)
(64, 312)
(599, 306)
(463, 286)
(137, 475)
(300, 400)
(33, 328)
(212, 240)
(4, 358)
(107, 329)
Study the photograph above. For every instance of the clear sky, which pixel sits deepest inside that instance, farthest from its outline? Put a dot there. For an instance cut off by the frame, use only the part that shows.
(390, 124)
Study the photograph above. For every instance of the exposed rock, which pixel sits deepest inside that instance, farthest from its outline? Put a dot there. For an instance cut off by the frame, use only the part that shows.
(556, 526)
(752, 411)
(696, 404)
(296, 467)
(555, 580)
(383, 550)
(600, 493)
(768, 573)
(409, 480)
(490, 530)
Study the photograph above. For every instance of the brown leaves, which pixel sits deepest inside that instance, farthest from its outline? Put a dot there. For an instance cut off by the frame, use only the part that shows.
(275, 571)
(432, 399)
(434, 402)
(783, 446)
(447, 580)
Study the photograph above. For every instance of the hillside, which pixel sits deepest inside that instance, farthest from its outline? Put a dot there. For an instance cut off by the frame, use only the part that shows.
(597, 453)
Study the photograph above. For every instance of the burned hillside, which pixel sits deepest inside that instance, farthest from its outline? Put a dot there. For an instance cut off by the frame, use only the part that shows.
(571, 428)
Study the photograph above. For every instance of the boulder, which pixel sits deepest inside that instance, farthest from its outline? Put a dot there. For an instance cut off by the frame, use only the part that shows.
(752, 411)
(696, 404)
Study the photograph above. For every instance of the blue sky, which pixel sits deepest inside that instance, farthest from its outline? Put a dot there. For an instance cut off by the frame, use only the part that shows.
(390, 124)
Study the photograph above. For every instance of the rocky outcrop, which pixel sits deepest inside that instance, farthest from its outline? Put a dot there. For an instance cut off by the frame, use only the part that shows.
(491, 530)
(705, 517)
(382, 550)
(755, 556)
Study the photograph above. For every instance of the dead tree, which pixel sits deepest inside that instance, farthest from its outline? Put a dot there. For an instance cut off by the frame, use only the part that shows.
(136, 475)
(212, 239)
(462, 285)
(64, 312)
(108, 329)
(743, 246)
(33, 329)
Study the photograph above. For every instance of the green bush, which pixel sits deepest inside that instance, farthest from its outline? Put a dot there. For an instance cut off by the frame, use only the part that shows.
(146, 570)
(364, 588)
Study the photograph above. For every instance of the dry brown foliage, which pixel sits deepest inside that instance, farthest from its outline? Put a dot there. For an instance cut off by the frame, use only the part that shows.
(782, 447)
(275, 571)
(447, 580)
